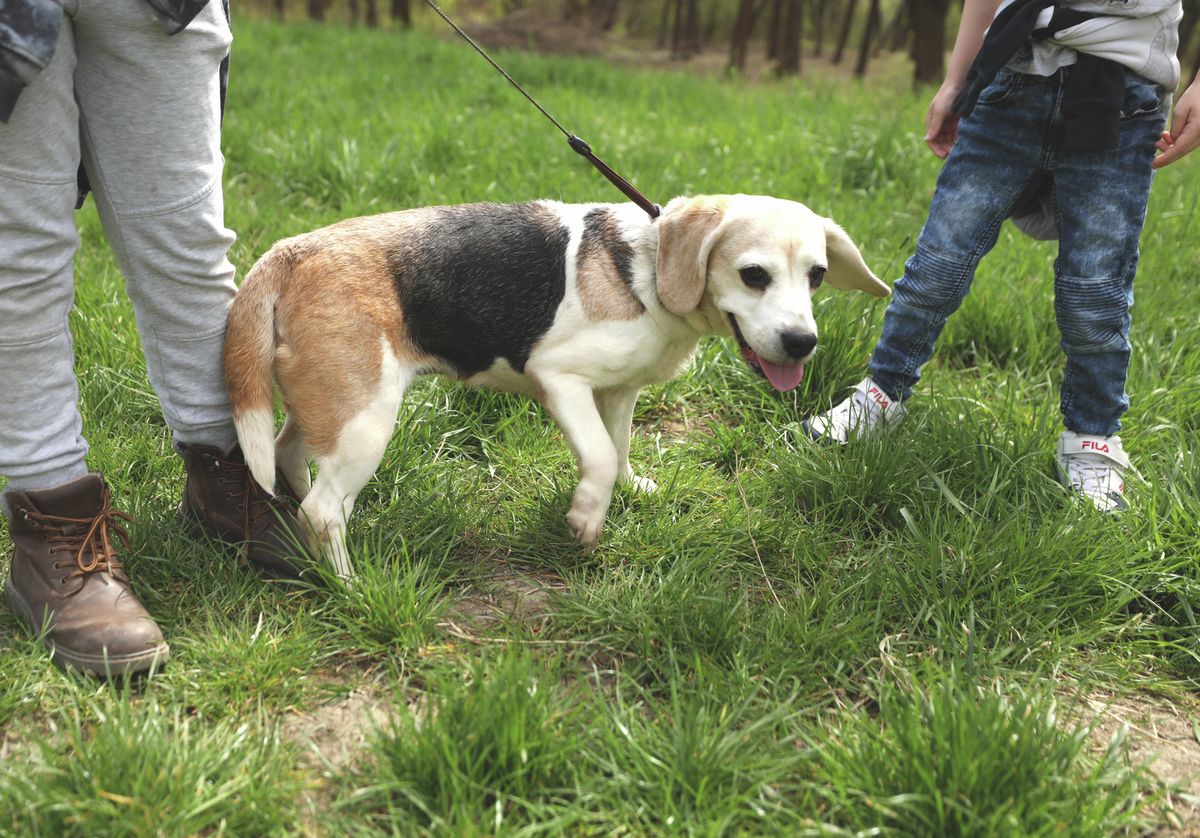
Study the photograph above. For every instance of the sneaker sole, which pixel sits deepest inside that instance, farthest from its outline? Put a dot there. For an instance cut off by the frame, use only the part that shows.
(105, 666)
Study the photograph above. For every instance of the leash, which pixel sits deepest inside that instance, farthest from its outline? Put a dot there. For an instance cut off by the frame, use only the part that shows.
(577, 145)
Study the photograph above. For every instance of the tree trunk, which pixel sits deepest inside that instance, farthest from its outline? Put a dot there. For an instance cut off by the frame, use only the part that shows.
(677, 37)
(864, 52)
(844, 37)
(316, 10)
(692, 29)
(278, 5)
(929, 39)
(664, 24)
(1187, 26)
(606, 13)
(793, 37)
(373, 13)
(1194, 63)
(402, 13)
(896, 35)
(775, 36)
(739, 42)
(572, 10)
(821, 9)
(354, 12)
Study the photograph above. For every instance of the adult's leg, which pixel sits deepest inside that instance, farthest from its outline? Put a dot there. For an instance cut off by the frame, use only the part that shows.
(41, 433)
(150, 123)
(64, 581)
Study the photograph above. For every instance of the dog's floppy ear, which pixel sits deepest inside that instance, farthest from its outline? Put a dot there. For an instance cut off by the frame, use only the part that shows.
(687, 231)
(847, 270)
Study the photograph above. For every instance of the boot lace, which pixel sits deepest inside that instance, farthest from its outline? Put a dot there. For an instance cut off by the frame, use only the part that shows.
(87, 538)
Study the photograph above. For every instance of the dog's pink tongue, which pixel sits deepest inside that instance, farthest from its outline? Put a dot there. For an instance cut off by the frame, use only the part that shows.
(783, 377)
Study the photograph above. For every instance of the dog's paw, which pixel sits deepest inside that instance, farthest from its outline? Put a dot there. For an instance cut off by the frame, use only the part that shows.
(585, 526)
(641, 484)
(586, 519)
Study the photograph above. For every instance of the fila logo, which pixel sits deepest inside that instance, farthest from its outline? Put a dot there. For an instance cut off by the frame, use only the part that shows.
(1100, 447)
(879, 397)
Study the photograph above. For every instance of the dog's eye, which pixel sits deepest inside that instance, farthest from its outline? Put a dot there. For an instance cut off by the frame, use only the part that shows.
(755, 276)
(815, 276)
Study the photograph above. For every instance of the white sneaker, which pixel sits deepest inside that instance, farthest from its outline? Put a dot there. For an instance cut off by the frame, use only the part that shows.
(1094, 466)
(867, 409)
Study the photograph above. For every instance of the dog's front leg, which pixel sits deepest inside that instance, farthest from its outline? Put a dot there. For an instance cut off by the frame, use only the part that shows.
(616, 408)
(572, 403)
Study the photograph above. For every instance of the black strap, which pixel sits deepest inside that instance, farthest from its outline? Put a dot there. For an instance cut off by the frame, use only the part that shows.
(1011, 28)
(1094, 92)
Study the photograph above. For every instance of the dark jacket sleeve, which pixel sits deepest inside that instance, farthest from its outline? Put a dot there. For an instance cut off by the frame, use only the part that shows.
(28, 35)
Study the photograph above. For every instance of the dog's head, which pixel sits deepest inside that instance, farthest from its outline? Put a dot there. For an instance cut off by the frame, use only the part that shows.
(751, 264)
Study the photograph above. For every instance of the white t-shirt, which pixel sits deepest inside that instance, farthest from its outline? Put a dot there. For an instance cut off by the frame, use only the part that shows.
(1142, 35)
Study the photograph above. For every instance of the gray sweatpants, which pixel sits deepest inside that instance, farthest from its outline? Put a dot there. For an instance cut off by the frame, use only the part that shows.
(141, 109)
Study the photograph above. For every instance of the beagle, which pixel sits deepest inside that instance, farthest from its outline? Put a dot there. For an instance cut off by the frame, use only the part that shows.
(579, 306)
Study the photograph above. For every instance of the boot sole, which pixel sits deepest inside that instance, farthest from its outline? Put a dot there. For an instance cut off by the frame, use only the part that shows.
(105, 666)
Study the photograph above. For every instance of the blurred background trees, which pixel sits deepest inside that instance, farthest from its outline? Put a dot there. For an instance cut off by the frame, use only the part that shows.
(777, 36)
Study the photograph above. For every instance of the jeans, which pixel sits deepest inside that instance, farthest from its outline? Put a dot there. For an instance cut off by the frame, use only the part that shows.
(1009, 146)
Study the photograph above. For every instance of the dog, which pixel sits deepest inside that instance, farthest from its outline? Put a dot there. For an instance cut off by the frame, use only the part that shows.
(577, 305)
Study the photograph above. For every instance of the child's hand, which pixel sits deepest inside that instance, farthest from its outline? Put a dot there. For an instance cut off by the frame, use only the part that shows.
(941, 125)
(1184, 135)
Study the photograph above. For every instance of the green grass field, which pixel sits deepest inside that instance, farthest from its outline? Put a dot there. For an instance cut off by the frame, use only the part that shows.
(918, 635)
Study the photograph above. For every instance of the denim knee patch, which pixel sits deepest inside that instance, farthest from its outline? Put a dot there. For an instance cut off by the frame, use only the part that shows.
(1093, 314)
(933, 280)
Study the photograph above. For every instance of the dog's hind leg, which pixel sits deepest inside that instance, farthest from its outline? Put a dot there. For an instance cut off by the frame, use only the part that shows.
(291, 457)
(616, 408)
(572, 403)
(343, 470)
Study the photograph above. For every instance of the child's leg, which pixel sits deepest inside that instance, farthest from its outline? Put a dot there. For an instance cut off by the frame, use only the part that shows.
(1100, 203)
(998, 158)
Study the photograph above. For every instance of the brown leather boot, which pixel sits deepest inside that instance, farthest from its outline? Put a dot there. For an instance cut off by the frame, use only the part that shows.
(223, 501)
(66, 579)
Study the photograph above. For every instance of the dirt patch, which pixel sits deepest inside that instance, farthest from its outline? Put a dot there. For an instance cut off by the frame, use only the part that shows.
(1167, 735)
(14, 746)
(507, 592)
(535, 30)
(331, 735)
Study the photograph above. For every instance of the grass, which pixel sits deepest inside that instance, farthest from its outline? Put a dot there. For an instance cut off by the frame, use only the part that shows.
(783, 639)
(928, 765)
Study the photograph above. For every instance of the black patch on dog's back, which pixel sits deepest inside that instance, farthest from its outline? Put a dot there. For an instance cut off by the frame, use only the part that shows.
(482, 282)
(600, 234)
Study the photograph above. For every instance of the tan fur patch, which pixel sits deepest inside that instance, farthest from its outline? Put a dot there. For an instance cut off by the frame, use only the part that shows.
(332, 312)
(604, 272)
(249, 349)
(681, 268)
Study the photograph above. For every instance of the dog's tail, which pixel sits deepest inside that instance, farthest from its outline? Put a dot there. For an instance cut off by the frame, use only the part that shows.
(250, 360)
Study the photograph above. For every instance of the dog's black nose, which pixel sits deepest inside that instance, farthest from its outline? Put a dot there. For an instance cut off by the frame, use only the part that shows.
(799, 344)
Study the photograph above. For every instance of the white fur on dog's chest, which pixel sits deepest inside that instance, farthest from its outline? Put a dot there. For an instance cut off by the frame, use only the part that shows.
(605, 355)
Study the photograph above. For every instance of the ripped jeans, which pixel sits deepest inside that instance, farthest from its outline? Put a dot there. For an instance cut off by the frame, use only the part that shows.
(1009, 145)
